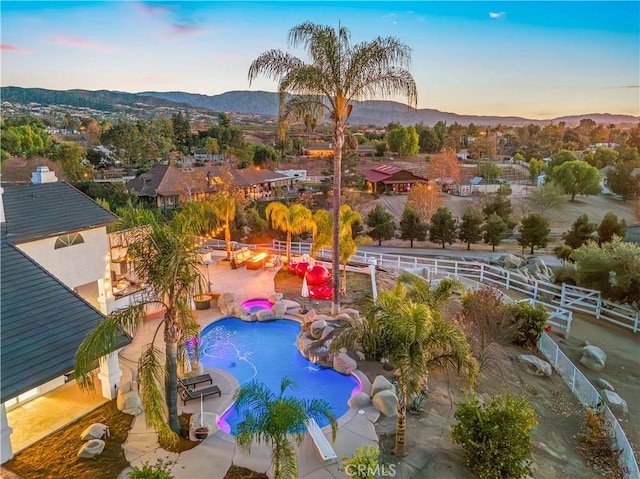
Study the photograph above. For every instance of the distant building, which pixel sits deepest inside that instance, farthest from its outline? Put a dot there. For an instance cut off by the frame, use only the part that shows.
(168, 186)
(386, 178)
(318, 151)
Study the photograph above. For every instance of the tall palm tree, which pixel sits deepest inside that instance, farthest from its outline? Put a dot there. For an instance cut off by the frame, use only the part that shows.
(416, 339)
(338, 73)
(224, 207)
(348, 244)
(167, 261)
(278, 421)
(294, 219)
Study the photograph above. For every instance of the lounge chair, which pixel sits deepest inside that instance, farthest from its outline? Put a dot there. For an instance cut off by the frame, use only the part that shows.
(194, 380)
(189, 394)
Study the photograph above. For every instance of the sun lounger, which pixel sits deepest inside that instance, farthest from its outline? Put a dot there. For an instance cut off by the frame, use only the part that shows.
(321, 446)
(194, 380)
(189, 394)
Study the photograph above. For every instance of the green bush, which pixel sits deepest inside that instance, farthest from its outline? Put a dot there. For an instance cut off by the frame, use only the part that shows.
(146, 471)
(563, 251)
(566, 273)
(496, 437)
(529, 320)
(363, 464)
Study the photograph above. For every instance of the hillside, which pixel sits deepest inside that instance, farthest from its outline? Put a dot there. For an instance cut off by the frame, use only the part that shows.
(373, 112)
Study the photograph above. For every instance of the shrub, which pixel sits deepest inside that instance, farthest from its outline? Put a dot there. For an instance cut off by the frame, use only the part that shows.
(146, 471)
(363, 464)
(566, 273)
(496, 437)
(563, 252)
(529, 320)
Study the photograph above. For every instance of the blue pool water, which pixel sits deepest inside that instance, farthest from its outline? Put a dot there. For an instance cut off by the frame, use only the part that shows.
(267, 352)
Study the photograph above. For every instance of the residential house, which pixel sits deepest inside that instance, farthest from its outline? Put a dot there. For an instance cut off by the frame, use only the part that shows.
(168, 186)
(56, 287)
(386, 178)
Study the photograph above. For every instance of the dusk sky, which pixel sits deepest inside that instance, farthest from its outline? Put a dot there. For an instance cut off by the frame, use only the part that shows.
(532, 59)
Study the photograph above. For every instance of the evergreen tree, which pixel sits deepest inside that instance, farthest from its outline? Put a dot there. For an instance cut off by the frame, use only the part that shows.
(380, 223)
(623, 182)
(495, 230)
(534, 231)
(610, 226)
(500, 204)
(412, 227)
(443, 227)
(580, 232)
(470, 229)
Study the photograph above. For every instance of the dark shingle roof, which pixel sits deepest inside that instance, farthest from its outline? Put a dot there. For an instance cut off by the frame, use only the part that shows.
(50, 209)
(43, 323)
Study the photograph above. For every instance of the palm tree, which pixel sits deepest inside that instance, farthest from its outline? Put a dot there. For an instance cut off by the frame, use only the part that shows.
(348, 244)
(278, 421)
(337, 74)
(224, 207)
(415, 338)
(167, 261)
(294, 219)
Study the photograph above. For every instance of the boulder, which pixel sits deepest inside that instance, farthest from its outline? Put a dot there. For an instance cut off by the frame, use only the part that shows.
(618, 405)
(306, 343)
(359, 400)
(294, 306)
(95, 431)
(593, 358)
(239, 310)
(327, 332)
(534, 365)
(342, 317)
(265, 315)
(248, 317)
(228, 308)
(386, 402)
(310, 316)
(226, 298)
(128, 400)
(380, 383)
(603, 384)
(279, 309)
(91, 449)
(317, 327)
(511, 261)
(343, 363)
(360, 356)
(274, 297)
(354, 313)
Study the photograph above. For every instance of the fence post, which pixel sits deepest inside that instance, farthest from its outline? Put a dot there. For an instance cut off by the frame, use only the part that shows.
(435, 267)
(598, 306)
(573, 380)
(398, 267)
(482, 272)
(508, 279)
(635, 323)
(455, 268)
(555, 360)
(562, 295)
(535, 289)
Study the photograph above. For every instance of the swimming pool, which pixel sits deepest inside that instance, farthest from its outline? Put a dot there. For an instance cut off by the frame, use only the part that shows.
(266, 351)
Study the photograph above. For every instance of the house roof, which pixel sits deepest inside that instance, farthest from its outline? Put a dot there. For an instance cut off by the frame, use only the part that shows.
(50, 209)
(165, 180)
(385, 174)
(43, 323)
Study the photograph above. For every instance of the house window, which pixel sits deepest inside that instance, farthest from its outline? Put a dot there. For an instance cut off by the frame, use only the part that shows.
(68, 240)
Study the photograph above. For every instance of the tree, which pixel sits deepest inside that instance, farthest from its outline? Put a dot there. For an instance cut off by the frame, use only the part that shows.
(337, 73)
(279, 421)
(535, 168)
(580, 232)
(424, 199)
(443, 227)
(166, 261)
(549, 196)
(470, 229)
(611, 226)
(622, 181)
(403, 140)
(181, 131)
(577, 177)
(445, 165)
(211, 146)
(561, 157)
(495, 230)
(291, 220)
(482, 148)
(412, 227)
(70, 156)
(500, 204)
(496, 436)
(534, 231)
(381, 224)
(224, 207)
(604, 157)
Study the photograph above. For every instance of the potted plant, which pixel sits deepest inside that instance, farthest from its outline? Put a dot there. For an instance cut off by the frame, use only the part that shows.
(202, 300)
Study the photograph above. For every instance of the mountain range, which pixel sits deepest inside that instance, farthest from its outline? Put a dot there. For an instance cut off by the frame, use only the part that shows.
(372, 112)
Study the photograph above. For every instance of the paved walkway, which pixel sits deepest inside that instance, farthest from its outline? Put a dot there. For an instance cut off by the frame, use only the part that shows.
(213, 456)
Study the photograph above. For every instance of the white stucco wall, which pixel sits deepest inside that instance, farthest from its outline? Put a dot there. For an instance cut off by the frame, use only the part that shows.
(73, 265)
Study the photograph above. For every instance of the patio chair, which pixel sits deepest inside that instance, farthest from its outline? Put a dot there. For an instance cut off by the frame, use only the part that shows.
(189, 394)
(195, 380)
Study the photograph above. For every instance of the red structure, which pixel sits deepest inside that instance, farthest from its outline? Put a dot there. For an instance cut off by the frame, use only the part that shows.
(318, 275)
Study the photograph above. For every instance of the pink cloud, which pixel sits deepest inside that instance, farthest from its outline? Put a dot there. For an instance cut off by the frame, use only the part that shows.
(73, 41)
(184, 29)
(5, 47)
(151, 9)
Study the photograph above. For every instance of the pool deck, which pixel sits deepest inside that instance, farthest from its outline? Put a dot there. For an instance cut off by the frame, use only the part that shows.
(214, 455)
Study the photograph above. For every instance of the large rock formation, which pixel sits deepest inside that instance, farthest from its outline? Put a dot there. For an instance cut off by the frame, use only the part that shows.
(593, 357)
(386, 402)
(534, 365)
(380, 383)
(343, 363)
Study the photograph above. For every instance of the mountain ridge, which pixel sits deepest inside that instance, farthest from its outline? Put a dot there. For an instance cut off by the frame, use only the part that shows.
(369, 112)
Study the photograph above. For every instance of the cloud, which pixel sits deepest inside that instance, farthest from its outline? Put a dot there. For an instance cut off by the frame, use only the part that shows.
(227, 58)
(5, 47)
(184, 29)
(622, 87)
(78, 42)
(152, 10)
(497, 14)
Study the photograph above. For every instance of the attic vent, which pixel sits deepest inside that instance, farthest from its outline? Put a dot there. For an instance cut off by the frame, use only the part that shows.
(68, 240)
